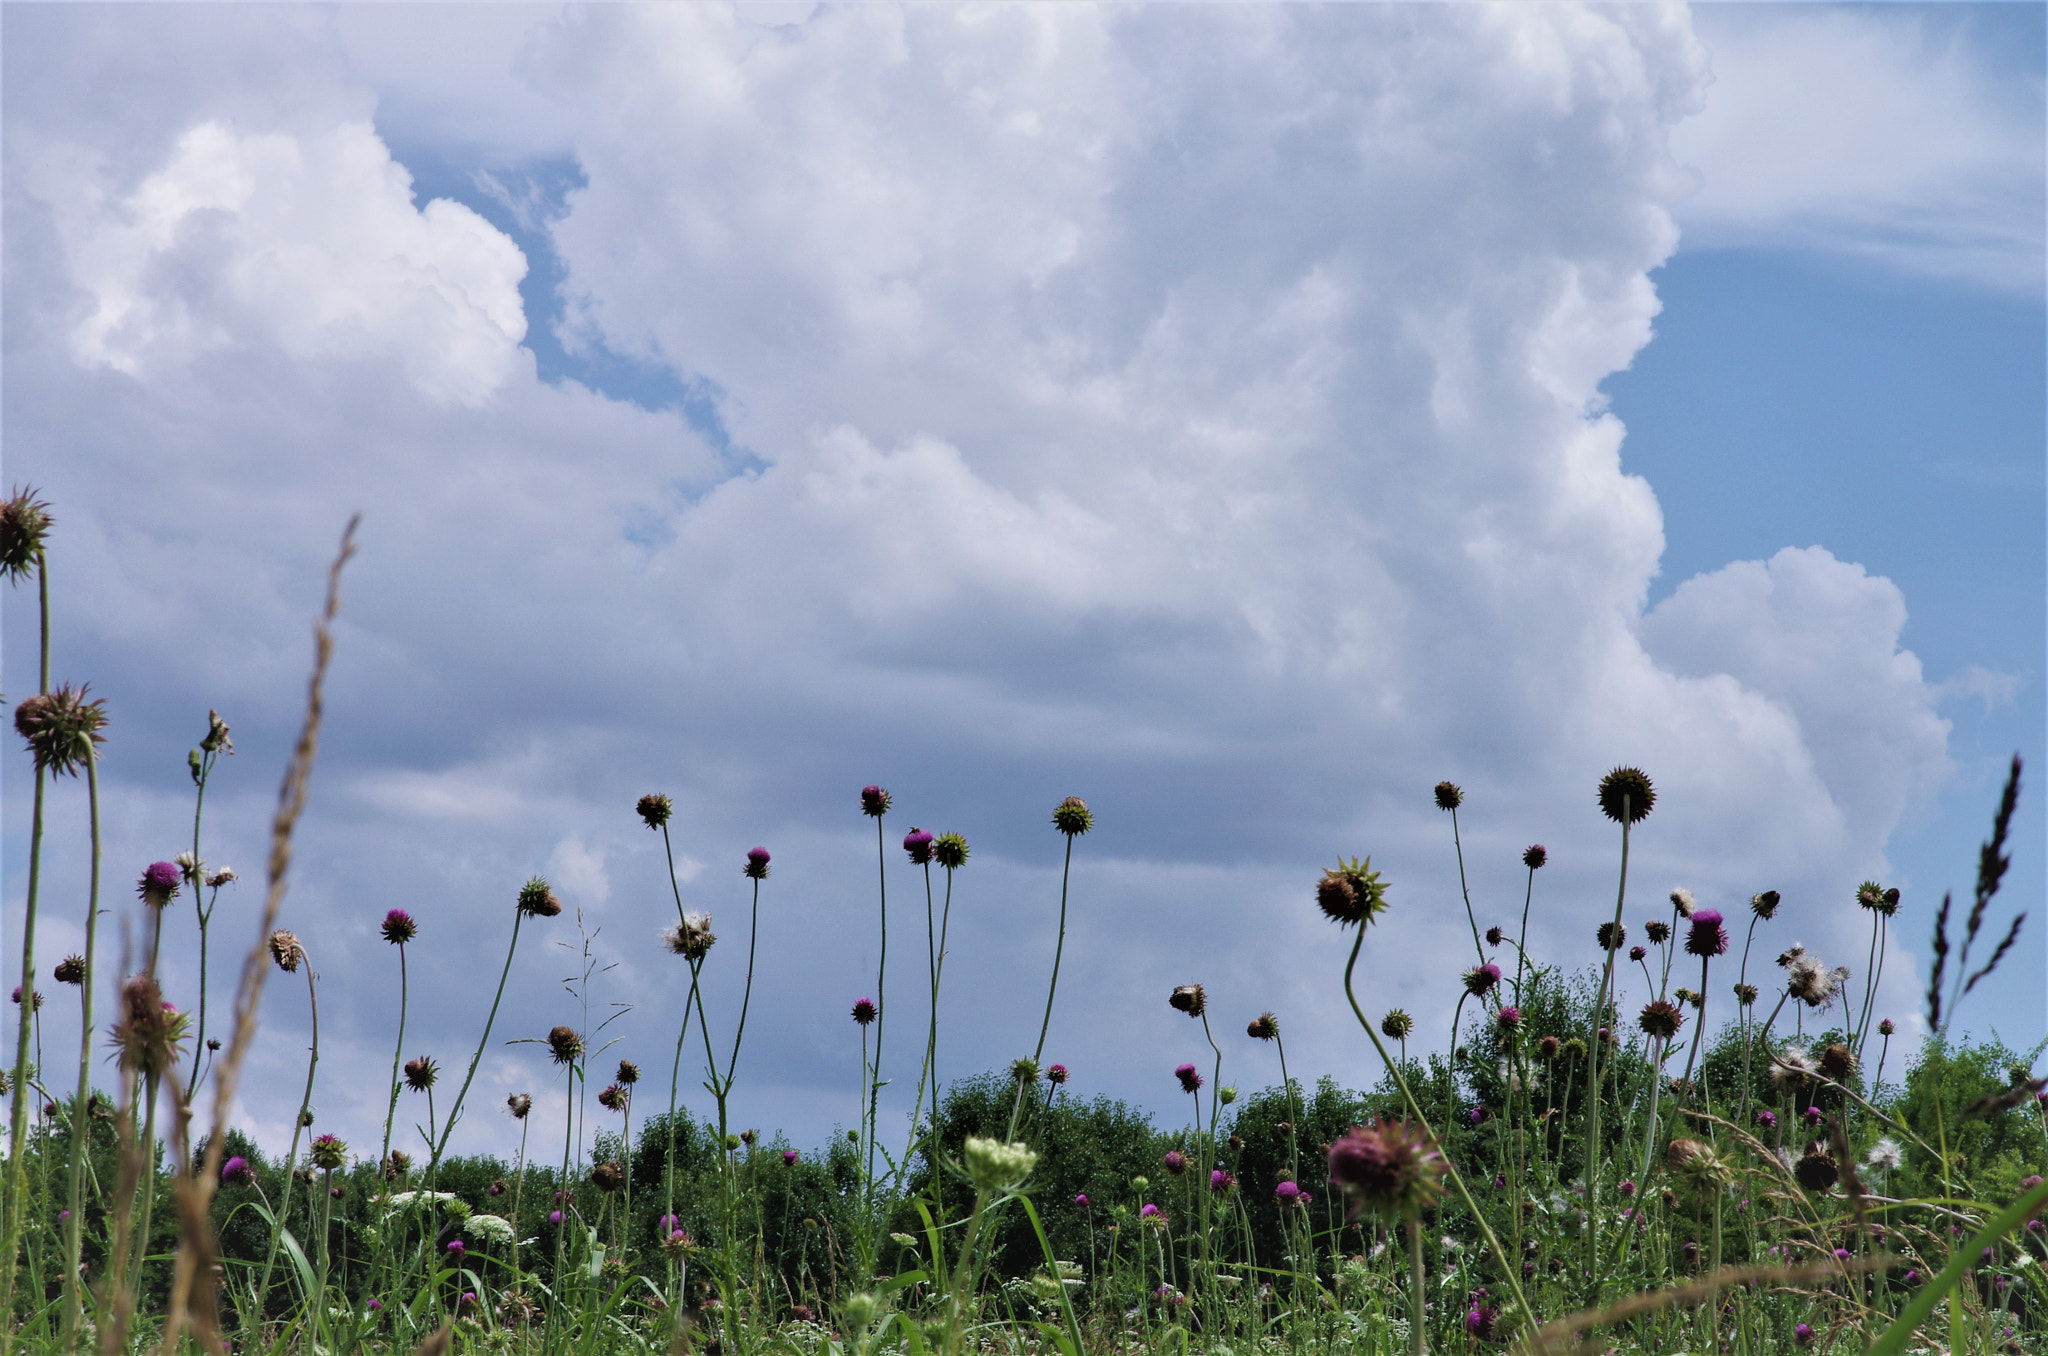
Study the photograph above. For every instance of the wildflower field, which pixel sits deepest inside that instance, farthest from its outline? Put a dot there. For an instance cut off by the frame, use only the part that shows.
(1743, 1164)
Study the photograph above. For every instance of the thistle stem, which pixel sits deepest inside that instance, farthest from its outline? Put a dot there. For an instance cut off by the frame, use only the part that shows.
(1593, 1065)
(291, 1161)
(391, 1111)
(1470, 917)
(455, 1107)
(81, 1118)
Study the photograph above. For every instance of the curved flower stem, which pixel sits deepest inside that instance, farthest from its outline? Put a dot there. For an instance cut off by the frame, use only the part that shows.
(938, 978)
(1593, 1066)
(1699, 1022)
(674, 1078)
(1059, 947)
(455, 1107)
(1293, 1116)
(291, 1161)
(746, 995)
(81, 1118)
(1510, 1273)
(1742, 1112)
(1470, 917)
(1522, 937)
(391, 1111)
(931, 1039)
(1209, 1147)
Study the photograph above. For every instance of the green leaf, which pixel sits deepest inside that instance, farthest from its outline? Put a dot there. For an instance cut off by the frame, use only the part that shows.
(1893, 1340)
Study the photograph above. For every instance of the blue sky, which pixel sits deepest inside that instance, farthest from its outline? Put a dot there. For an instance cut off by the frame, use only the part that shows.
(1241, 417)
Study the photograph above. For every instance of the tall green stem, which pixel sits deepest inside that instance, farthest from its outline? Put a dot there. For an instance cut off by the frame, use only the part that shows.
(1510, 1273)
(1415, 1308)
(205, 913)
(1522, 937)
(81, 1117)
(881, 1012)
(17, 1129)
(397, 1055)
(291, 1161)
(1593, 1066)
(1470, 917)
(455, 1108)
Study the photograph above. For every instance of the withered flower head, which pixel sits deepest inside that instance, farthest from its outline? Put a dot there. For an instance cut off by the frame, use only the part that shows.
(1765, 905)
(1448, 796)
(217, 740)
(396, 1165)
(1838, 1062)
(865, 1011)
(1661, 1019)
(24, 524)
(1396, 1025)
(1023, 1069)
(519, 1104)
(1877, 899)
(1387, 1168)
(1657, 930)
(1626, 795)
(1745, 994)
(1791, 1070)
(612, 1098)
(1263, 1027)
(1190, 999)
(1681, 900)
(1351, 892)
(655, 809)
(286, 951)
(1610, 936)
(70, 970)
(537, 899)
(608, 1176)
(629, 1072)
(565, 1045)
(690, 938)
(1072, 816)
(61, 727)
(1548, 1047)
(1808, 979)
(950, 851)
(1816, 1170)
(1699, 1165)
(420, 1073)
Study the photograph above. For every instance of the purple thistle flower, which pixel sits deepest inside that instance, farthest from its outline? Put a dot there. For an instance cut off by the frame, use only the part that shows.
(1480, 979)
(1636, 953)
(1627, 1187)
(237, 1172)
(1494, 935)
(1082, 1200)
(918, 843)
(456, 1247)
(1534, 856)
(1056, 1075)
(1841, 1254)
(159, 884)
(864, 1010)
(1802, 1335)
(1150, 1211)
(1707, 937)
(757, 863)
(789, 1158)
(374, 1305)
(1190, 1078)
(398, 927)
(1175, 1162)
(1814, 1115)
(874, 801)
(1221, 1181)
(1511, 1017)
(1767, 1119)
(1288, 1193)
(554, 1217)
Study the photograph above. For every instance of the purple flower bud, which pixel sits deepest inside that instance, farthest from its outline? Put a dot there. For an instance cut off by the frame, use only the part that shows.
(1480, 979)
(374, 1305)
(159, 884)
(1082, 1200)
(789, 1158)
(1627, 1188)
(1150, 1211)
(1494, 935)
(1766, 1119)
(1534, 856)
(1190, 1078)
(1511, 1017)
(1221, 1181)
(1814, 1115)
(456, 1248)
(865, 1011)
(1056, 1075)
(1841, 1254)
(398, 927)
(237, 1172)
(1636, 953)
(757, 863)
(874, 801)
(554, 1217)
(1176, 1162)
(1802, 1335)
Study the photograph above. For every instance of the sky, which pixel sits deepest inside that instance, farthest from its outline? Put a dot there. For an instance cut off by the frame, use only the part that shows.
(1241, 417)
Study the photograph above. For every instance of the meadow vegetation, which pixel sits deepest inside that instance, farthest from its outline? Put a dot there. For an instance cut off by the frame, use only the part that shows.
(1742, 1164)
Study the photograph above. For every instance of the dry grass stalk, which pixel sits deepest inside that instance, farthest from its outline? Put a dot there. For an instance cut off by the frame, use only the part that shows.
(196, 1192)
